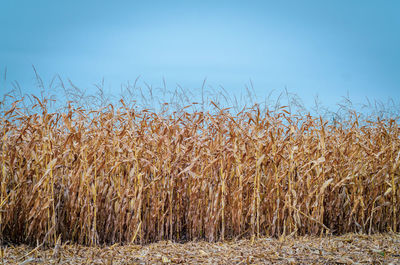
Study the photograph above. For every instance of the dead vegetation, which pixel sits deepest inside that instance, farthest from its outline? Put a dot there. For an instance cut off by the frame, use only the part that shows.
(117, 175)
(345, 249)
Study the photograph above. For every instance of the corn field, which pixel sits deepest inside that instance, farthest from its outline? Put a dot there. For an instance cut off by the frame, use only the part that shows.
(121, 175)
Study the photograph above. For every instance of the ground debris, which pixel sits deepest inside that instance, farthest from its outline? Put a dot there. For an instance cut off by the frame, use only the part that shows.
(346, 249)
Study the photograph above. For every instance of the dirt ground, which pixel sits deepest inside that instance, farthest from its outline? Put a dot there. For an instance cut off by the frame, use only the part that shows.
(346, 249)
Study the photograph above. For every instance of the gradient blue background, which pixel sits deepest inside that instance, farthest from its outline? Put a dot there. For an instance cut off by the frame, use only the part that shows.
(324, 48)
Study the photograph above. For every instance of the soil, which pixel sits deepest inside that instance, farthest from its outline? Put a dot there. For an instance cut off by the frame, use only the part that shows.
(345, 249)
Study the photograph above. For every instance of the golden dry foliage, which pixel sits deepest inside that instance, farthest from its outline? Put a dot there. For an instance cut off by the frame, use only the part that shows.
(116, 175)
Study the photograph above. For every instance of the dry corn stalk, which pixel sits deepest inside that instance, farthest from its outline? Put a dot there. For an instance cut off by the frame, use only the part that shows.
(123, 176)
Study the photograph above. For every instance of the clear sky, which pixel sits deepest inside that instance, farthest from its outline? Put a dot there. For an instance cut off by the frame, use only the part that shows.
(325, 48)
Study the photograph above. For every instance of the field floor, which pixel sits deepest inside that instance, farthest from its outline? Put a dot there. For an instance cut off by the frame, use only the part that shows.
(346, 249)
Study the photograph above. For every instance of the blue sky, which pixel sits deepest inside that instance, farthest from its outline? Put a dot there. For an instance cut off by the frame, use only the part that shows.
(324, 48)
